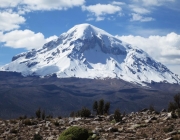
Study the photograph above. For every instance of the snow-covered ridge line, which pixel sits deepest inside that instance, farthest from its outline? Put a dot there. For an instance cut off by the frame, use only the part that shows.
(86, 51)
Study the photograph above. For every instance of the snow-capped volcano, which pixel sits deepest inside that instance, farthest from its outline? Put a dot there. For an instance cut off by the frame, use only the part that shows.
(86, 51)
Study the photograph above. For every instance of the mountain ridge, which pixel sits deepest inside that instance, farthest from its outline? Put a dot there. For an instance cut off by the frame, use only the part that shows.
(86, 51)
(59, 96)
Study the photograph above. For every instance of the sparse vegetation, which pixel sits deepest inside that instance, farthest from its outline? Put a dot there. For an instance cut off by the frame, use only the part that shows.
(144, 135)
(37, 137)
(114, 130)
(74, 133)
(176, 104)
(56, 123)
(101, 108)
(27, 122)
(38, 113)
(14, 131)
(23, 117)
(85, 112)
(95, 107)
(72, 114)
(168, 129)
(106, 108)
(151, 108)
(41, 114)
(117, 115)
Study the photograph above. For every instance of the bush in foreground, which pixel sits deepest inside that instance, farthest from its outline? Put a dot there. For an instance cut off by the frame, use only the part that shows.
(37, 137)
(117, 115)
(74, 133)
(176, 104)
(85, 112)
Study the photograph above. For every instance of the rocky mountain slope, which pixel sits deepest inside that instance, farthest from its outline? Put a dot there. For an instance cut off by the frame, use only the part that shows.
(143, 125)
(86, 51)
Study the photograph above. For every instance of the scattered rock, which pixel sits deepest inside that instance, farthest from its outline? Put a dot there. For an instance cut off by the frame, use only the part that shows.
(143, 125)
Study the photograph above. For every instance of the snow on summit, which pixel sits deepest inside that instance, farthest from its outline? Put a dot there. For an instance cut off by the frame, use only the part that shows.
(86, 51)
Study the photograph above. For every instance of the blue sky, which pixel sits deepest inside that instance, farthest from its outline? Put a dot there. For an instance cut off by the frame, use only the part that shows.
(152, 25)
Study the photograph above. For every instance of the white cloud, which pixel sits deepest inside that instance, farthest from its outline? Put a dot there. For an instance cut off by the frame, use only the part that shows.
(165, 49)
(100, 10)
(9, 3)
(139, 10)
(149, 2)
(145, 32)
(32, 5)
(90, 19)
(10, 21)
(118, 3)
(138, 17)
(24, 39)
(153, 2)
(52, 4)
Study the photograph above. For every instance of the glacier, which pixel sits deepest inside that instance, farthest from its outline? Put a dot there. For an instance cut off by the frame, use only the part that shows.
(85, 51)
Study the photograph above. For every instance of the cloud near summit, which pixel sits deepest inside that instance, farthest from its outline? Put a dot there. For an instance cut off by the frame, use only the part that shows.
(101, 10)
(165, 49)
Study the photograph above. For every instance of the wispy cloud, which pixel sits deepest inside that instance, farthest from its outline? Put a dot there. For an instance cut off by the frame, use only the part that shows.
(139, 10)
(138, 17)
(118, 3)
(101, 10)
(153, 2)
(142, 10)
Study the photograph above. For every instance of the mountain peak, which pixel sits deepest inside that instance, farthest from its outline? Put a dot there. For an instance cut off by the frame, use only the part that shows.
(86, 30)
(86, 51)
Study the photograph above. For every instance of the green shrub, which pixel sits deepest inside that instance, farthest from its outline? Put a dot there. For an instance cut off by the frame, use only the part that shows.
(106, 108)
(113, 121)
(74, 133)
(178, 112)
(59, 117)
(85, 112)
(14, 131)
(172, 106)
(72, 114)
(37, 137)
(151, 108)
(144, 135)
(13, 121)
(176, 104)
(43, 115)
(117, 115)
(101, 107)
(168, 129)
(114, 130)
(56, 123)
(95, 107)
(27, 122)
(38, 113)
(22, 117)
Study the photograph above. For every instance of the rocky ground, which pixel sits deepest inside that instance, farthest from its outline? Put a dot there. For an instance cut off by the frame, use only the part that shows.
(143, 125)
